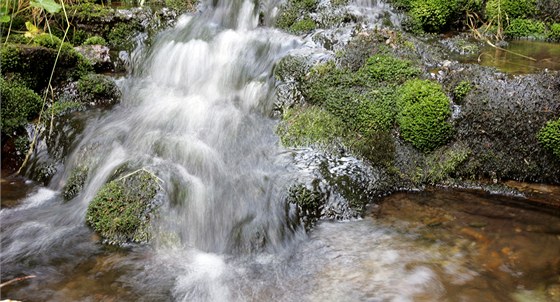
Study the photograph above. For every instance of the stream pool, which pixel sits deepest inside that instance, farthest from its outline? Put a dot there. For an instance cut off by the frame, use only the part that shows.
(437, 245)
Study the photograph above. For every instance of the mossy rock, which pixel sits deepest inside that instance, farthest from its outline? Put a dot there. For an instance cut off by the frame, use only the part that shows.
(309, 204)
(19, 105)
(98, 89)
(423, 112)
(122, 210)
(549, 137)
(34, 63)
(75, 182)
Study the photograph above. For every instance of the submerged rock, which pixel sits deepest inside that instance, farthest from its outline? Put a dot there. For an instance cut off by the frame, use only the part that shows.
(333, 188)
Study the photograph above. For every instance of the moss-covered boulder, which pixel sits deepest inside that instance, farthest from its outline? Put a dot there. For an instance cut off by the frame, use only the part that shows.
(75, 182)
(122, 210)
(423, 112)
(19, 105)
(98, 89)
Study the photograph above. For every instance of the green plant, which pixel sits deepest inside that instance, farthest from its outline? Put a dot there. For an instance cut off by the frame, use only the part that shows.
(19, 105)
(519, 28)
(554, 32)
(432, 15)
(549, 136)
(423, 110)
(95, 40)
(121, 211)
(510, 9)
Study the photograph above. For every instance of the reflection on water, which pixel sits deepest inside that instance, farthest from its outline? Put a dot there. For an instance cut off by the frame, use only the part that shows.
(429, 246)
(544, 56)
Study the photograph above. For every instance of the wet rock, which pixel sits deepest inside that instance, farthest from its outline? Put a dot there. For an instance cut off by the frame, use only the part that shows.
(333, 188)
(500, 120)
(98, 55)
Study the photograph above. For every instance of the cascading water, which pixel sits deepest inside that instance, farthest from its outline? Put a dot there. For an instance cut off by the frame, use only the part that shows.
(195, 113)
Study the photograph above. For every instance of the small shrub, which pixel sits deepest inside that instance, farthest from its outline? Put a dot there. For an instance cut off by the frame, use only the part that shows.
(19, 105)
(95, 40)
(432, 15)
(423, 112)
(554, 32)
(510, 9)
(549, 137)
(520, 28)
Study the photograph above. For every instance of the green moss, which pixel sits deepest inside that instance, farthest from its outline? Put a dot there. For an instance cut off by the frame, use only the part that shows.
(423, 113)
(95, 40)
(295, 16)
(75, 182)
(122, 35)
(510, 9)
(520, 28)
(461, 91)
(51, 41)
(549, 137)
(10, 58)
(385, 68)
(88, 11)
(96, 87)
(121, 210)
(309, 126)
(78, 36)
(442, 165)
(305, 25)
(19, 105)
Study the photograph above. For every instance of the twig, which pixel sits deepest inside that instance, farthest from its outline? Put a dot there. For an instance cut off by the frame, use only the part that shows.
(16, 280)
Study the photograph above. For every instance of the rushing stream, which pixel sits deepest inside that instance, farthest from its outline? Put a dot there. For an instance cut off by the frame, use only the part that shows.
(195, 112)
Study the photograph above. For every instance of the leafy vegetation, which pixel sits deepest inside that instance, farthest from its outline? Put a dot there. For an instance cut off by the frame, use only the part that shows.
(423, 110)
(549, 136)
(519, 28)
(121, 211)
(510, 9)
